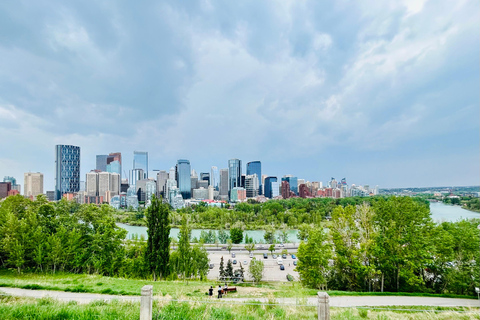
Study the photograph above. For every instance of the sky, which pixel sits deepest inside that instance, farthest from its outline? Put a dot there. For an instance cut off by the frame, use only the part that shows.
(378, 92)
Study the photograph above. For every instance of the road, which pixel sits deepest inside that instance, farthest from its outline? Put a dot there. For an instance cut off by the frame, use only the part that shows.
(335, 301)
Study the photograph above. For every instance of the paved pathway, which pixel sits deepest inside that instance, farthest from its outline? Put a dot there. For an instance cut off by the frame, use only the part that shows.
(335, 301)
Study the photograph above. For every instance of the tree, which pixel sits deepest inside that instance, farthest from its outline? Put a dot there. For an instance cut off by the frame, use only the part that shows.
(229, 269)
(184, 249)
(271, 248)
(236, 232)
(303, 231)
(269, 234)
(250, 247)
(229, 245)
(221, 273)
(284, 233)
(157, 254)
(313, 258)
(256, 270)
(222, 236)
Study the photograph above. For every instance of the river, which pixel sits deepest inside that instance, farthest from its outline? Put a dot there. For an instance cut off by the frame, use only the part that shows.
(440, 212)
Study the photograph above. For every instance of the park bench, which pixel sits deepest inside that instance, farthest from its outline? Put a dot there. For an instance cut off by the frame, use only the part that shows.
(232, 289)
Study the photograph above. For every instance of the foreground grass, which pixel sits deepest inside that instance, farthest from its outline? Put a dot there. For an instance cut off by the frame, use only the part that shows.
(46, 308)
(174, 289)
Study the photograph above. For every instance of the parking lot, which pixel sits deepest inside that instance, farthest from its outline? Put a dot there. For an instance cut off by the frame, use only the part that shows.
(271, 272)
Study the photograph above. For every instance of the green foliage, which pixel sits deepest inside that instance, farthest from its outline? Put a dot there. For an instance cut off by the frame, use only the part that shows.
(184, 250)
(255, 269)
(157, 254)
(236, 232)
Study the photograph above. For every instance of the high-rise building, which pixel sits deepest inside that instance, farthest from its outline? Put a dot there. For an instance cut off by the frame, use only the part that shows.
(33, 184)
(251, 185)
(184, 182)
(255, 167)
(67, 170)
(114, 163)
(223, 185)
(292, 181)
(104, 185)
(13, 181)
(205, 176)
(286, 192)
(214, 178)
(275, 189)
(268, 187)
(234, 174)
(140, 166)
(91, 184)
(5, 188)
(101, 164)
(162, 177)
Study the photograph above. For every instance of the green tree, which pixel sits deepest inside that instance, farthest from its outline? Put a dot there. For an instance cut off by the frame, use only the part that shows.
(271, 249)
(222, 236)
(303, 231)
(269, 234)
(229, 245)
(255, 269)
(250, 247)
(157, 254)
(221, 273)
(184, 249)
(313, 258)
(229, 269)
(284, 233)
(236, 232)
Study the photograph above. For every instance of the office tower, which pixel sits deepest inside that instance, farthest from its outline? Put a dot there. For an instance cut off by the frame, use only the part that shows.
(5, 188)
(33, 184)
(171, 174)
(251, 185)
(285, 189)
(223, 185)
(91, 184)
(268, 186)
(202, 184)
(101, 186)
(333, 183)
(211, 192)
(303, 191)
(101, 164)
(114, 163)
(184, 182)
(343, 182)
(205, 176)
(234, 173)
(299, 182)
(162, 177)
(275, 189)
(214, 177)
(14, 185)
(292, 182)
(255, 167)
(140, 165)
(67, 170)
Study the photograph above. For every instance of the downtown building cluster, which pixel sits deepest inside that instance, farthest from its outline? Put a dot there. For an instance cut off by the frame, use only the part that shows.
(180, 186)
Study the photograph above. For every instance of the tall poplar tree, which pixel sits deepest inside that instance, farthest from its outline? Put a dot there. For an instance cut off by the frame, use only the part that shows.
(157, 255)
(184, 249)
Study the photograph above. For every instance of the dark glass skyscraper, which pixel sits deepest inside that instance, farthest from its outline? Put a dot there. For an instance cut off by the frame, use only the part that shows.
(182, 174)
(234, 174)
(268, 186)
(67, 170)
(140, 165)
(255, 167)
(293, 182)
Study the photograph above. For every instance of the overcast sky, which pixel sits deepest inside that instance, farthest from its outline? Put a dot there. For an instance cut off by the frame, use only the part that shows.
(379, 92)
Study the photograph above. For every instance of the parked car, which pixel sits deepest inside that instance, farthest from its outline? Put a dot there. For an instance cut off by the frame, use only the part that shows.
(294, 262)
(233, 254)
(245, 262)
(265, 256)
(293, 256)
(281, 245)
(251, 255)
(260, 247)
(282, 267)
(284, 256)
(279, 261)
(234, 261)
(211, 265)
(274, 256)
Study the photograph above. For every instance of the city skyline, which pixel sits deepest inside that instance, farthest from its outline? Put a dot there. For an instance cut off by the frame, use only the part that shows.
(379, 93)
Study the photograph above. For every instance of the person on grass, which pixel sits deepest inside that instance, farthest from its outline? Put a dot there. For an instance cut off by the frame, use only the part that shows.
(219, 291)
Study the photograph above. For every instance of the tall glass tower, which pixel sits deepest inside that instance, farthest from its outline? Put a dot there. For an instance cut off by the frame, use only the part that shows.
(255, 167)
(268, 186)
(67, 170)
(214, 177)
(293, 182)
(234, 174)
(140, 166)
(182, 174)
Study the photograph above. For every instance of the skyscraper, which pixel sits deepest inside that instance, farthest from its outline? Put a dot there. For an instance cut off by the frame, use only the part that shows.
(162, 177)
(223, 186)
(268, 187)
(33, 184)
(251, 185)
(67, 170)
(182, 174)
(293, 182)
(214, 178)
(140, 165)
(101, 163)
(234, 174)
(255, 167)
(114, 163)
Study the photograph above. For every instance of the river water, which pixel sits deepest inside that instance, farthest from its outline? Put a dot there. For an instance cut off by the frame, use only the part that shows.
(440, 212)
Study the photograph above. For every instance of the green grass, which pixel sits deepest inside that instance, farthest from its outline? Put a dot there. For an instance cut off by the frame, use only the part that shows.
(47, 308)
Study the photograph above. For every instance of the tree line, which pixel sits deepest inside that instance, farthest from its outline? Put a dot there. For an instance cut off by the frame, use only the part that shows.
(42, 236)
(391, 245)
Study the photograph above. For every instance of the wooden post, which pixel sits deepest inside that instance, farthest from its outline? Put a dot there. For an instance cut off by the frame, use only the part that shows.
(146, 303)
(323, 306)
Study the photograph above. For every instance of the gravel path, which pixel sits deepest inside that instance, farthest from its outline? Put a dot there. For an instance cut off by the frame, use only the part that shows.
(335, 301)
